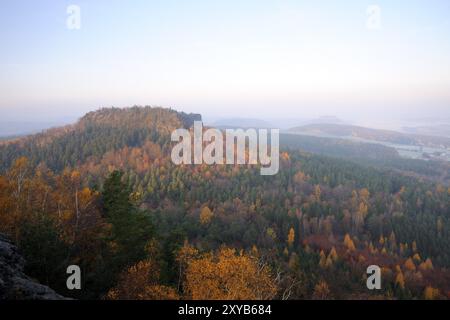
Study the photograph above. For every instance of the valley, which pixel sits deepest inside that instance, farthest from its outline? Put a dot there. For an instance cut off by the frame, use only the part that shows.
(407, 145)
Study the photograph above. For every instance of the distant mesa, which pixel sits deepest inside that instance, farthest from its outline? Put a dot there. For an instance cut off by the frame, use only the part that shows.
(327, 120)
(369, 134)
(280, 123)
(242, 123)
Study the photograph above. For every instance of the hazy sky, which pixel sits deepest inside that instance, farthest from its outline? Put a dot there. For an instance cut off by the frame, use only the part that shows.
(227, 58)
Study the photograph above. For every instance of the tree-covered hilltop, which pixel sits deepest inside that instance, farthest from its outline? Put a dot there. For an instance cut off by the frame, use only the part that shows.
(141, 227)
(96, 133)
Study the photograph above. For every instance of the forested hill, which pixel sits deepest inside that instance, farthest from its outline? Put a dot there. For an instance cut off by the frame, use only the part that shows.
(105, 195)
(94, 134)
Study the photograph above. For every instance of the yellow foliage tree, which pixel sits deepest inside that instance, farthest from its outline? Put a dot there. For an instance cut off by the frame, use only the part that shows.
(364, 195)
(333, 254)
(285, 156)
(431, 293)
(323, 259)
(227, 275)
(409, 265)
(271, 233)
(426, 265)
(348, 242)
(363, 209)
(186, 254)
(255, 251)
(291, 237)
(328, 262)
(400, 280)
(321, 291)
(18, 180)
(317, 192)
(299, 177)
(206, 215)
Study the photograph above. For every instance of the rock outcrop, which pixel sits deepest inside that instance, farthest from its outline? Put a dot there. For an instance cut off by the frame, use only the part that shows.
(14, 283)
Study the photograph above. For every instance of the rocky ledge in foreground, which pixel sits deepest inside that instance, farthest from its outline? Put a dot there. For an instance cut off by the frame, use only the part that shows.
(14, 283)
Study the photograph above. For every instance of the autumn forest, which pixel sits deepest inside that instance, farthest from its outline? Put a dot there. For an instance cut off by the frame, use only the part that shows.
(104, 194)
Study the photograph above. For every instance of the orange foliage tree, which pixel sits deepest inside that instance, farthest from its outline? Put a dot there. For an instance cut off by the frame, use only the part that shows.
(228, 275)
(140, 282)
(321, 291)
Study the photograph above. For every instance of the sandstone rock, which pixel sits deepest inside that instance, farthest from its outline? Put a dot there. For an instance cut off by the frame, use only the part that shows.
(14, 283)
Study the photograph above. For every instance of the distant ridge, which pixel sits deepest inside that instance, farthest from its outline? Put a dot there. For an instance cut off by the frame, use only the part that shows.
(351, 131)
(242, 123)
(440, 130)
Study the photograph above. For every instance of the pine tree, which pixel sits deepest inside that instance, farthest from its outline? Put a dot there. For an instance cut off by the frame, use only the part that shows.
(131, 228)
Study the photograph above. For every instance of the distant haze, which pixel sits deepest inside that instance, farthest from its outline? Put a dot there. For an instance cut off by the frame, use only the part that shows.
(266, 60)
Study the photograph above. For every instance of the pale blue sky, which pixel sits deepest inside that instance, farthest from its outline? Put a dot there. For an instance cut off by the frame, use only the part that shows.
(226, 58)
